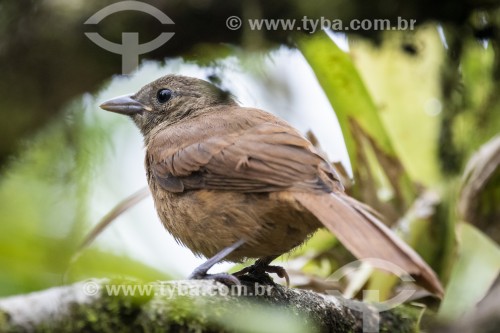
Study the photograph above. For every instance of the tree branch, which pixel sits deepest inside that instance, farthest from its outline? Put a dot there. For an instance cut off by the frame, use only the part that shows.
(191, 306)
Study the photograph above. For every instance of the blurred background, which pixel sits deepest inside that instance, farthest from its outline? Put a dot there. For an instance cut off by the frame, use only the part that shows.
(412, 118)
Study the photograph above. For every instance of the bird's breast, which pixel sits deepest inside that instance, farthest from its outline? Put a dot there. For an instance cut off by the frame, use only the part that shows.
(207, 221)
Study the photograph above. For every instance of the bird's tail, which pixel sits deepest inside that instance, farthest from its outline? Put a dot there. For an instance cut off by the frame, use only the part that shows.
(365, 236)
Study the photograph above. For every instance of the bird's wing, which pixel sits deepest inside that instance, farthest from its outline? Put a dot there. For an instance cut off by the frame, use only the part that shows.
(261, 155)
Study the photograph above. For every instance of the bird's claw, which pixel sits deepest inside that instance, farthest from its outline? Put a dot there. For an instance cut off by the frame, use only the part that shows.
(260, 269)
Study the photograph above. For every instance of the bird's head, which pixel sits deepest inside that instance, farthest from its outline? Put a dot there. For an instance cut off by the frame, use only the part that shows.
(168, 100)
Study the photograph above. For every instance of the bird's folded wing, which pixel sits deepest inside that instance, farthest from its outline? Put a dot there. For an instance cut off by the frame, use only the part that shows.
(260, 158)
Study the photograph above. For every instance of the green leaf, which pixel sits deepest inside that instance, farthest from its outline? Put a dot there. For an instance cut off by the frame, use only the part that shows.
(407, 91)
(477, 266)
(373, 159)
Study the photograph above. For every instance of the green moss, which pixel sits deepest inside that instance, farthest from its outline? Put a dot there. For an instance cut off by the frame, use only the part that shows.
(402, 319)
(4, 321)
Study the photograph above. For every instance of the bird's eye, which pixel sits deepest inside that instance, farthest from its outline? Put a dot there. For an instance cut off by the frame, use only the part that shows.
(164, 95)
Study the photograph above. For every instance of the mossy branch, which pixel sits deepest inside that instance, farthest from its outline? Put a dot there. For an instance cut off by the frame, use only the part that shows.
(192, 306)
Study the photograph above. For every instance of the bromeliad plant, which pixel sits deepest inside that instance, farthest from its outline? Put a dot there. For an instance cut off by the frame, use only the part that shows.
(408, 157)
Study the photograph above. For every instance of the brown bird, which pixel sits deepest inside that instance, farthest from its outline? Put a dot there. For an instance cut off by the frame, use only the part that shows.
(231, 182)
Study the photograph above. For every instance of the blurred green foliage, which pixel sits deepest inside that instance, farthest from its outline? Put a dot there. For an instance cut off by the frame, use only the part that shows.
(43, 205)
(434, 109)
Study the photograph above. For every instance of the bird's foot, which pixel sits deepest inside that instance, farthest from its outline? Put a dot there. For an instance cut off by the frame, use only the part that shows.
(201, 272)
(260, 271)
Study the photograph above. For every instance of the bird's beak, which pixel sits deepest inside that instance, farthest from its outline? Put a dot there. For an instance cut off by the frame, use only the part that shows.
(126, 105)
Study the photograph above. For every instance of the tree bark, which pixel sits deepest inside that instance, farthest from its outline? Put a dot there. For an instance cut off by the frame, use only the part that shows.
(193, 306)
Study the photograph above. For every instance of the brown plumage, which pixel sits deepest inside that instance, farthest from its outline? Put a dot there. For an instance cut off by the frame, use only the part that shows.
(220, 173)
